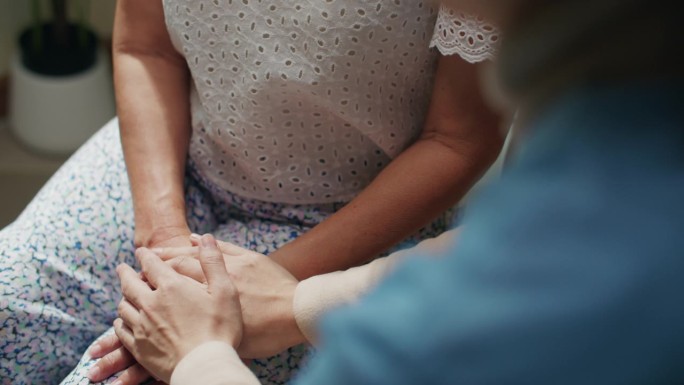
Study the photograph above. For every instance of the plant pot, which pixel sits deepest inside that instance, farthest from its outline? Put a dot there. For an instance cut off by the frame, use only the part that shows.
(53, 113)
(58, 52)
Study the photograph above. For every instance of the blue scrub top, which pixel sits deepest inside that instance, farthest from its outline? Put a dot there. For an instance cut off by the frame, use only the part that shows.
(569, 270)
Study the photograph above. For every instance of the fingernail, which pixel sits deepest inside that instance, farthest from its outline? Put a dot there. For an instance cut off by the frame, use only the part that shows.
(195, 236)
(157, 250)
(94, 373)
(208, 241)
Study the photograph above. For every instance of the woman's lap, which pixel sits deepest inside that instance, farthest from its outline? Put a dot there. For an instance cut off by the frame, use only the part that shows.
(57, 264)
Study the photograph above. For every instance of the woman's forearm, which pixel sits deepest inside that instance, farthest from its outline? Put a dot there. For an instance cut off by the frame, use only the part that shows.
(154, 119)
(413, 190)
(151, 82)
(460, 141)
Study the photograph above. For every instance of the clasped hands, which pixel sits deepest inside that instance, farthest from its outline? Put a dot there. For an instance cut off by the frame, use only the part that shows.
(185, 296)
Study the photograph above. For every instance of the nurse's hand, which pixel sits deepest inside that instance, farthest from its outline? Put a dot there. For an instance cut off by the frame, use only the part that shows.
(168, 316)
(266, 292)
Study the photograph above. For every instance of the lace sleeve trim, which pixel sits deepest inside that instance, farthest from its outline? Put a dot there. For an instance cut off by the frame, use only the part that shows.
(471, 37)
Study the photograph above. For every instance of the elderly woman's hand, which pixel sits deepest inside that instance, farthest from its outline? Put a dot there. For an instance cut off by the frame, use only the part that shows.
(168, 316)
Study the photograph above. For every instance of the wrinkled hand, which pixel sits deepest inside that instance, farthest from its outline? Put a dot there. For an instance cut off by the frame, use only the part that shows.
(168, 316)
(266, 292)
(169, 236)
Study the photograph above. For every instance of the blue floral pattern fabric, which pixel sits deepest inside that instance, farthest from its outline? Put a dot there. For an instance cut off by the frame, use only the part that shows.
(57, 260)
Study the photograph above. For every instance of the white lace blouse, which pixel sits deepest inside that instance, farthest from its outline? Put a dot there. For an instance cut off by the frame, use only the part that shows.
(306, 101)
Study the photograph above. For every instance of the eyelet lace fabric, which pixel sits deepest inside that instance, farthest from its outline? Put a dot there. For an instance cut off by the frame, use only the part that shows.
(469, 36)
(304, 101)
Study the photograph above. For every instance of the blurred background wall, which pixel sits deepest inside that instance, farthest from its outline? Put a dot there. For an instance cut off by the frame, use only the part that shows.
(23, 171)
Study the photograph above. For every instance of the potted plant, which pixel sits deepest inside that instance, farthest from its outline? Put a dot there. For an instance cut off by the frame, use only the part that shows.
(61, 89)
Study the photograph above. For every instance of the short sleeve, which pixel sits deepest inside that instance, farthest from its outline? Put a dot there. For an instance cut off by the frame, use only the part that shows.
(466, 35)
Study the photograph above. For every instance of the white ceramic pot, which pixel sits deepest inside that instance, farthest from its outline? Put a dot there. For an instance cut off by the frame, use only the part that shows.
(56, 114)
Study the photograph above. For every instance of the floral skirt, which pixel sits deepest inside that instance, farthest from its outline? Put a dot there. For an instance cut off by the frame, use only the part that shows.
(57, 260)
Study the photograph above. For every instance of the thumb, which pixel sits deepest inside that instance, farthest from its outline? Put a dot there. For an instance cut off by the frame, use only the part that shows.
(212, 262)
